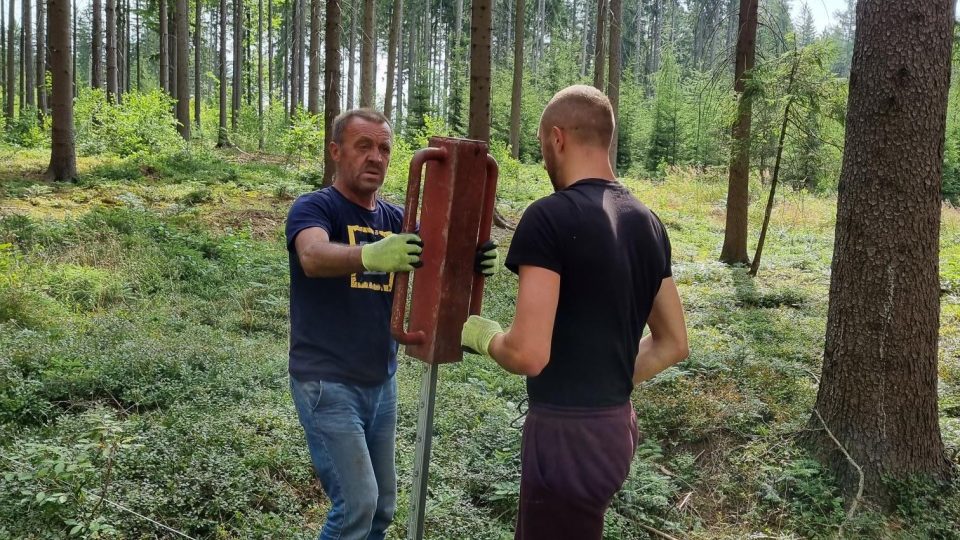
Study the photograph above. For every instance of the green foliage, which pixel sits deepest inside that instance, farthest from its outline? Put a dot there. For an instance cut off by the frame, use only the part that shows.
(304, 138)
(23, 130)
(142, 124)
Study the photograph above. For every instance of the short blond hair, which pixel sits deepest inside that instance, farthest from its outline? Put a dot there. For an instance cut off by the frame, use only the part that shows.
(582, 110)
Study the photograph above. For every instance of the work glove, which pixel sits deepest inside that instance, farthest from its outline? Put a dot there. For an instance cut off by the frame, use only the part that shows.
(395, 253)
(478, 333)
(487, 260)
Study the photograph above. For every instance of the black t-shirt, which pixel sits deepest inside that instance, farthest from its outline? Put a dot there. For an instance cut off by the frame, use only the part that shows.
(340, 326)
(612, 253)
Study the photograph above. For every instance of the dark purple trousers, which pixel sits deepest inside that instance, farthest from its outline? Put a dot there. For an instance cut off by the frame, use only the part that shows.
(573, 461)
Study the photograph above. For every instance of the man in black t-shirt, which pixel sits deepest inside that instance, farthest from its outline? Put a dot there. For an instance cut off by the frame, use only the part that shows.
(594, 267)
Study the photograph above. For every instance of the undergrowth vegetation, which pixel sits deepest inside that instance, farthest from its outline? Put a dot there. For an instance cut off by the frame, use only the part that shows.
(143, 333)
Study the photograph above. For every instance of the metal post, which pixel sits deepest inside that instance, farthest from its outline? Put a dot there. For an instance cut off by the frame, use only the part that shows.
(421, 459)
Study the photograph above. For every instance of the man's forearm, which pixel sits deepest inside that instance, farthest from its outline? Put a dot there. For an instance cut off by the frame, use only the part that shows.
(655, 356)
(327, 259)
(504, 350)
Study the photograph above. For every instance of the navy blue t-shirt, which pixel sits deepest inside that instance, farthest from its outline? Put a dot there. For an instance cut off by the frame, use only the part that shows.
(340, 326)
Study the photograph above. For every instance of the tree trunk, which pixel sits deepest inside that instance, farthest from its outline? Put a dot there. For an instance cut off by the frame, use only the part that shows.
(878, 390)
(313, 104)
(11, 64)
(248, 57)
(197, 61)
(755, 265)
(41, 61)
(517, 81)
(260, 140)
(270, 52)
(655, 33)
(613, 84)
(172, 52)
(302, 50)
(139, 85)
(27, 48)
(111, 24)
(598, 63)
(164, 48)
(368, 55)
(237, 63)
(352, 52)
(295, 63)
(3, 51)
(738, 197)
(331, 84)
(222, 140)
(480, 29)
(73, 48)
(396, 25)
(183, 69)
(63, 160)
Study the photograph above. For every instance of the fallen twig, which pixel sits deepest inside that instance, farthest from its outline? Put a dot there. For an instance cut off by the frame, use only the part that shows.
(657, 532)
(856, 500)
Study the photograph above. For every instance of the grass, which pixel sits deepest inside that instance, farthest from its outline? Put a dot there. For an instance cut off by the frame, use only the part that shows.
(143, 332)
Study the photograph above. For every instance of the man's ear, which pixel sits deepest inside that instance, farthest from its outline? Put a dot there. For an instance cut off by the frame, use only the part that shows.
(559, 138)
(334, 151)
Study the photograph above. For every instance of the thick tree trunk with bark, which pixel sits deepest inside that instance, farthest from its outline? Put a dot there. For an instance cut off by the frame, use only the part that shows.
(183, 70)
(517, 95)
(738, 196)
(139, 86)
(270, 52)
(63, 155)
(352, 54)
(313, 100)
(396, 25)
(878, 390)
(164, 48)
(237, 63)
(480, 30)
(613, 84)
(368, 55)
(296, 63)
(260, 133)
(331, 84)
(111, 22)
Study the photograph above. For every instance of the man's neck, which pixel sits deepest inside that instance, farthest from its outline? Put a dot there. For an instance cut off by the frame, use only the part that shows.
(591, 165)
(368, 201)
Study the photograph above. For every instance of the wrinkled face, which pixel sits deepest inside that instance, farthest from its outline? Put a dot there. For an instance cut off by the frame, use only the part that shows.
(549, 153)
(363, 156)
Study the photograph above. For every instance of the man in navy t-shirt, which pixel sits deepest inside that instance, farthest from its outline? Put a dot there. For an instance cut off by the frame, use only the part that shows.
(344, 247)
(594, 267)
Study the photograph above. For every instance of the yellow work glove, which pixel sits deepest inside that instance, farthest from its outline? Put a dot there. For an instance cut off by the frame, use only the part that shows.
(478, 333)
(487, 260)
(395, 253)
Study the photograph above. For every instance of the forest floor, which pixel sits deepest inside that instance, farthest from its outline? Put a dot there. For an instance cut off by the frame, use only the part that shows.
(143, 335)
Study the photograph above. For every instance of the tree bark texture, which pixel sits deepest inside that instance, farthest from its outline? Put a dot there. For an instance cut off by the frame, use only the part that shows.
(11, 63)
(27, 52)
(197, 61)
(111, 23)
(222, 139)
(368, 55)
(738, 197)
(63, 156)
(313, 100)
(878, 391)
(613, 83)
(480, 30)
(164, 48)
(517, 95)
(183, 69)
(393, 42)
(331, 84)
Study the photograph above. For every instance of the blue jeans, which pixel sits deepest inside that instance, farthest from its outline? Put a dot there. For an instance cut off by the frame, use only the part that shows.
(351, 433)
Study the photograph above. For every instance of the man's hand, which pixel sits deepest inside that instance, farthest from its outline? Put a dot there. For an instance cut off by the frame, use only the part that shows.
(395, 253)
(478, 333)
(487, 260)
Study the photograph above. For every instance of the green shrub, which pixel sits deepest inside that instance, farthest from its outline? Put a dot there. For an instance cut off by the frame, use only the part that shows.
(141, 124)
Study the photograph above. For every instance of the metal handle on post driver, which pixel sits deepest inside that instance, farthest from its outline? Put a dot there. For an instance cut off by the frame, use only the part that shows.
(486, 222)
(402, 280)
